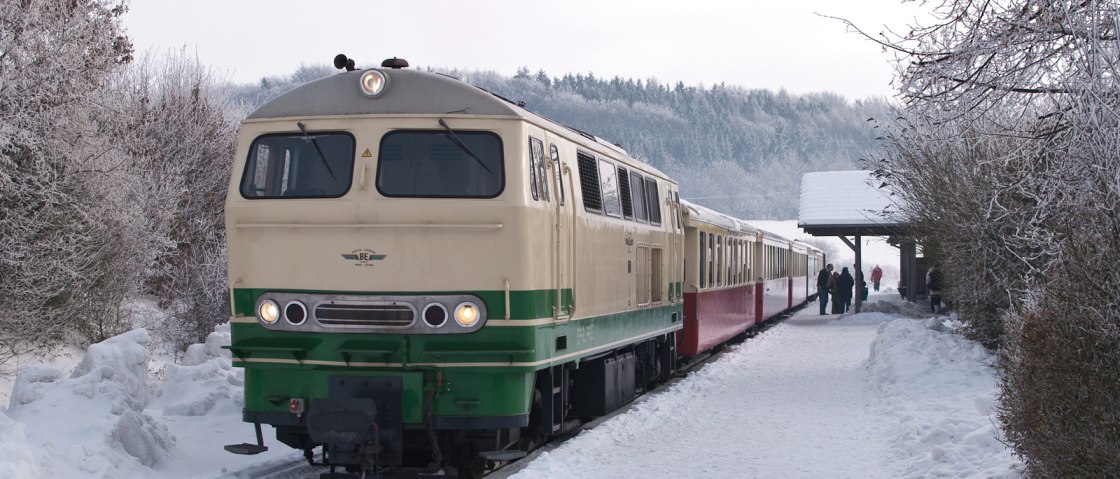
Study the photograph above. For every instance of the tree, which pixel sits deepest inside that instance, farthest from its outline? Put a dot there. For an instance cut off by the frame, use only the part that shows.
(57, 237)
(1007, 156)
(180, 138)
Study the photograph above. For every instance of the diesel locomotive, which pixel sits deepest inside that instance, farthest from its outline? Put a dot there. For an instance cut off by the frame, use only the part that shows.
(425, 275)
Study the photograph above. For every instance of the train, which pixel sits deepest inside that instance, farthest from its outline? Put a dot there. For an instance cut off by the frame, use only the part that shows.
(427, 276)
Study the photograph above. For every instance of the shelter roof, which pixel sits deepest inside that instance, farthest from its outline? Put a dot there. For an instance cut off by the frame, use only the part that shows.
(846, 203)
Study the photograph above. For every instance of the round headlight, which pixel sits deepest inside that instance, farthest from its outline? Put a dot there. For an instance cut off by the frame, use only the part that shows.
(435, 315)
(295, 312)
(466, 314)
(373, 83)
(268, 311)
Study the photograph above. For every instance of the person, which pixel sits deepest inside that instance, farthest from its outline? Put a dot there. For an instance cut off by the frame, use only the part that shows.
(837, 297)
(824, 285)
(846, 285)
(933, 283)
(876, 275)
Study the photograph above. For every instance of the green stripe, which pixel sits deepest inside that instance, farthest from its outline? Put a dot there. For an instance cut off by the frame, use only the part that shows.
(526, 304)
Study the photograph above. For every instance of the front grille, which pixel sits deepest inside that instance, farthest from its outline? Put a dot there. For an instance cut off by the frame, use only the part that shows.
(391, 315)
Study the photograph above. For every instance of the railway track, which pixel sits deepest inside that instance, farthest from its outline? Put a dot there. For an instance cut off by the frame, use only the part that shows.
(298, 468)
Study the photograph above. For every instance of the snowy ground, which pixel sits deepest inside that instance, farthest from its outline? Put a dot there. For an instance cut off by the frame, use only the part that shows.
(885, 394)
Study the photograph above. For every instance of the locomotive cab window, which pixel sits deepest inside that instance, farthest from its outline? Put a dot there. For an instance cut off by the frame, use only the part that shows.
(317, 165)
(440, 164)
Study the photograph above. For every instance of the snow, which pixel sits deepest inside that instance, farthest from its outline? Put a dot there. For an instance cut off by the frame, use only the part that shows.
(891, 392)
(842, 198)
(875, 395)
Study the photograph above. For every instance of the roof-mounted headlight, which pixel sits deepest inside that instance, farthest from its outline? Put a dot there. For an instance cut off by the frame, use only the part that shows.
(373, 83)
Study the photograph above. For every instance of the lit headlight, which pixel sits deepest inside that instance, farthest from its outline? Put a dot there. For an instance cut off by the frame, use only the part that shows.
(268, 311)
(466, 314)
(373, 83)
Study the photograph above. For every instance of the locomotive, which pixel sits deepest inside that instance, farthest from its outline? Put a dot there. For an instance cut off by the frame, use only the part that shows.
(425, 275)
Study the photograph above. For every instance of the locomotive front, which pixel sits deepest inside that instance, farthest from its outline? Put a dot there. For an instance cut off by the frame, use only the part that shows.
(378, 233)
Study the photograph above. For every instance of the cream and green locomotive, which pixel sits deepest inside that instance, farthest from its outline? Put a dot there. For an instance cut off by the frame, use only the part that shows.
(424, 274)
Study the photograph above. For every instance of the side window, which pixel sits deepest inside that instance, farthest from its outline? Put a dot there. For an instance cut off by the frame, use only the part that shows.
(719, 260)
(589, 182)
(703, 259)
(654, 205)
(607, 177)
(624, 193)
(538, 174)
(638, 196)
(558, 170)
(711, 259)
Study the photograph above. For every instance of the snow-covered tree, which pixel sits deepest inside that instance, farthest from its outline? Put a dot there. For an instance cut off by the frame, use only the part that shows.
(1008, 158)
(57, 237)
(179, 137)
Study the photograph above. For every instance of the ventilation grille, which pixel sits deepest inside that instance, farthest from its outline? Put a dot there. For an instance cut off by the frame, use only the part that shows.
(357, 314)
(589, 182)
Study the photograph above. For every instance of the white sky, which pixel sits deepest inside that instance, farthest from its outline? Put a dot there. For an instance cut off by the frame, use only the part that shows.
(769, 44)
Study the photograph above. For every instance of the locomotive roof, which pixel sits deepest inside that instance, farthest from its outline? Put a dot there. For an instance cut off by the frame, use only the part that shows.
(409, 91)
(413, 92)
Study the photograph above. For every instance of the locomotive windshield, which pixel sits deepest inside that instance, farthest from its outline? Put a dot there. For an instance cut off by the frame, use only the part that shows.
(299, 166)
(440, 164)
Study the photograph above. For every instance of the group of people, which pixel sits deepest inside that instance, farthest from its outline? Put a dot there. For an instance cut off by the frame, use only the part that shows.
(841, 287)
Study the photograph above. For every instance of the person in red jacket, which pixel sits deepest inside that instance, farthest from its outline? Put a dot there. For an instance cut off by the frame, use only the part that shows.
(876, 275)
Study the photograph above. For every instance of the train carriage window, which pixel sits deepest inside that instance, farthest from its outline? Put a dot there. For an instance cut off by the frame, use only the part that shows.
(638, 196)
(654, 201)
(624, 193)
(589, 182)
(433, 164)
(317, 165)
(538, 173)
(719, 260)
(703, 260)
(727, 265)
(557, 169)
(608, 178)
(711, 259)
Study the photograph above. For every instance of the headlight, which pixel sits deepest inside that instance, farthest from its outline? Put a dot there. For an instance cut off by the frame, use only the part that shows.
(373, 83)
(466, 314)
(435, 315)
(268, 311)
(295, 312)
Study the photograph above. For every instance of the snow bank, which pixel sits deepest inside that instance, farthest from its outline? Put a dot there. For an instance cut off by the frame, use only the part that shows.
(93, 423)
(205, 382)
(18, 458)
(942, 390)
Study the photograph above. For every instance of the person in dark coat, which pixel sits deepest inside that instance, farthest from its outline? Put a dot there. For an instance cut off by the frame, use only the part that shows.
(837, 297)
(824, 285)
(933, 282)
(846, 284)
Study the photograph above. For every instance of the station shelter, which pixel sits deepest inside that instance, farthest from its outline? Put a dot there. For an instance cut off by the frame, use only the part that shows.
(852, 204)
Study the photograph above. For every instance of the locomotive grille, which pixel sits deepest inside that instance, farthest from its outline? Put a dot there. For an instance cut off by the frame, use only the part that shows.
(383, 315)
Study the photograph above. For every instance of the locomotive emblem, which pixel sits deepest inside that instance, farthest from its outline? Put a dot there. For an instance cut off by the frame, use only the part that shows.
(364, 257)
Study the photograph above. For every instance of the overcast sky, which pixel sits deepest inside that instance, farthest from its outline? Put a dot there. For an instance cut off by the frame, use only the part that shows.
(771, 44)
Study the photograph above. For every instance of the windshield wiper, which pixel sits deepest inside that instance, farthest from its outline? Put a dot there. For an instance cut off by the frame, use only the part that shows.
(462, 146)
(303, 129)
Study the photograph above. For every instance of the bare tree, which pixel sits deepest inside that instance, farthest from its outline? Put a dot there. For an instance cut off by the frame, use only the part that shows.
(55, 235)
(180, 137)
(1007, 155)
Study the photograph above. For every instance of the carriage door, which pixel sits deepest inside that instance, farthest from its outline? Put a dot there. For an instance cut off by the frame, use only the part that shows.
(560, 181)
